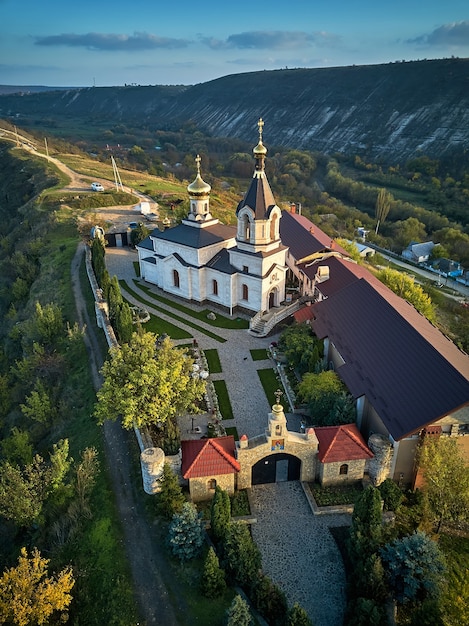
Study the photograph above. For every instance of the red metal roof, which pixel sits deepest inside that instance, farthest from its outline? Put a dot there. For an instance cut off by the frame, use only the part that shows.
(304, 314)
(209, 457)
(341, 443)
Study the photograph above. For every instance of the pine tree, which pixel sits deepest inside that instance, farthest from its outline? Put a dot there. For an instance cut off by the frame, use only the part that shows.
(242, 556)
(366, 529)
(213, 577)
(269, 600)
(170, 498)
(297, 616)
(124, 323)
(238, 614)
(220, 514)
(186, 533)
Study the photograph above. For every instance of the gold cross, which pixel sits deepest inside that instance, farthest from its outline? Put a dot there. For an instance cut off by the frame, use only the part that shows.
(278, 394)
(198, 160)
(260, 123)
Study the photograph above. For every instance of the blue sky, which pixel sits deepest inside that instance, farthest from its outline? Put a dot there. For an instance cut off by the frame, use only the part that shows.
(151, 42)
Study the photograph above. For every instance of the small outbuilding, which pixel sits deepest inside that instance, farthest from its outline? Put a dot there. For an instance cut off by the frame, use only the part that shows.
(208, 463)
(342, 454)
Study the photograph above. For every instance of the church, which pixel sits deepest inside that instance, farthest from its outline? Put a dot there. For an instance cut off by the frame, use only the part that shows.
(238, 268)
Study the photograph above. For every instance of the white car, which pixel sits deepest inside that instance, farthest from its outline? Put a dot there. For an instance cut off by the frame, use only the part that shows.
(97, 187)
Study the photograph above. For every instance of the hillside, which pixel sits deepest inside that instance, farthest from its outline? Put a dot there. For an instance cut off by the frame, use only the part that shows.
(387, 112)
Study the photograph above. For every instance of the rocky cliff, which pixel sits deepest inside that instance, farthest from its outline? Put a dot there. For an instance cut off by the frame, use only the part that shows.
(389, 112)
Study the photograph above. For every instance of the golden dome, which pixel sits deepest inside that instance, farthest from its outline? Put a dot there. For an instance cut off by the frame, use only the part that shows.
(260, 149)
(198, 187)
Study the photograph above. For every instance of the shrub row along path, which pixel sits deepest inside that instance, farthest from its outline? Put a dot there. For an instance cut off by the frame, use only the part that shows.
(298, 551)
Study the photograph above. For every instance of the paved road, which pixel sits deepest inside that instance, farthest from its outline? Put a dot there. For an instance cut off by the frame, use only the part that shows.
(298, 552)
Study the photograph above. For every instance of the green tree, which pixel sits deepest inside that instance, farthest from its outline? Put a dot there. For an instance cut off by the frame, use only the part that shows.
(29, 596)
(38, 405)
(220, 513)
(297, 616)
(238, 613)
(382, 207)
(406, 231)
(186, 533)
(391, 495)
(147, 385)
(97, 258)
(446, 480)
(404, 286)
(269, 600)
(320, 392)
(114, 299)
(85, 476)
(124, 323)
(415, 568)
(242, 558)
(170, 498)
(213, 577)
(23, 491)
(365, 612)
(302, 349)
(17, 448)
(139, 234)
(366, 528)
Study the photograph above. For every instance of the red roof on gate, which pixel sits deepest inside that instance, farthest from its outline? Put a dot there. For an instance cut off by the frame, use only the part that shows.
(341, 443)
(209, 457)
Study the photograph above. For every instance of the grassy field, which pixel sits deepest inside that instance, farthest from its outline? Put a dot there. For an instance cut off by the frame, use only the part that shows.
(259, 354)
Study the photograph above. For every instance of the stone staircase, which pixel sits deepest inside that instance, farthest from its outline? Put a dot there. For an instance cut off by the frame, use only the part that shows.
(262, 323)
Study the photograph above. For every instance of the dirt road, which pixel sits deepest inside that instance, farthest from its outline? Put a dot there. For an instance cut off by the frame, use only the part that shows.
(146, 562)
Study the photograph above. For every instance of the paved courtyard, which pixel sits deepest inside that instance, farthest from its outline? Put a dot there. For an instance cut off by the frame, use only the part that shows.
(298, 551)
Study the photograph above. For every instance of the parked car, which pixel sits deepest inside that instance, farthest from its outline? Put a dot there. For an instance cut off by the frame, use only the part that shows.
(97, 187)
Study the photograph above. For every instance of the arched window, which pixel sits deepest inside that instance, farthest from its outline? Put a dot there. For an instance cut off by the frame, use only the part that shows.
(245, 226)
(278, 429)
(215, 287)
(245, 292)
(211, 485)
(176, 278)
(273, 228)
(343, 471)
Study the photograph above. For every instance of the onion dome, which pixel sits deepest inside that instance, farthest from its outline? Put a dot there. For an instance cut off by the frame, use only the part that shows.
(198, 187)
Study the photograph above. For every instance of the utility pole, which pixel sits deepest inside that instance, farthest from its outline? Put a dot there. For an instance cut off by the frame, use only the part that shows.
(47, 148)
(117, 177)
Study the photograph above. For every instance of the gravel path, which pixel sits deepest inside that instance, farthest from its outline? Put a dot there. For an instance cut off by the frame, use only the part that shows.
(298, 552)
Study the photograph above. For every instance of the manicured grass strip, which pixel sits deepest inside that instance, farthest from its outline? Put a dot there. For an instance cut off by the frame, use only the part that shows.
(124, 285)
(160, 327)
(213, 360)
(232, 430)
(259, 354)
(220, 322)
(223, 399)
(270, 383)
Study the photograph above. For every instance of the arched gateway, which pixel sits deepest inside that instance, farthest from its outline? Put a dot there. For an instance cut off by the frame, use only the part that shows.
(276, 468)
(278, 455)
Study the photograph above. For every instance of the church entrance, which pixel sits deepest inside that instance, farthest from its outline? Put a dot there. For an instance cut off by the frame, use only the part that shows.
(276, 468)
(271, 300)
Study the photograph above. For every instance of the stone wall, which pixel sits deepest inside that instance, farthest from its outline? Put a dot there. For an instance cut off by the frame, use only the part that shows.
(329, 473)
(199, 488)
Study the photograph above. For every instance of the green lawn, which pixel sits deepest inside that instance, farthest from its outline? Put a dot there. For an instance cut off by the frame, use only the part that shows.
(223, 399)
(270, 383)
(125, 286)
(259, 354)
(232, 430)
(213, 360)
(220, 321)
